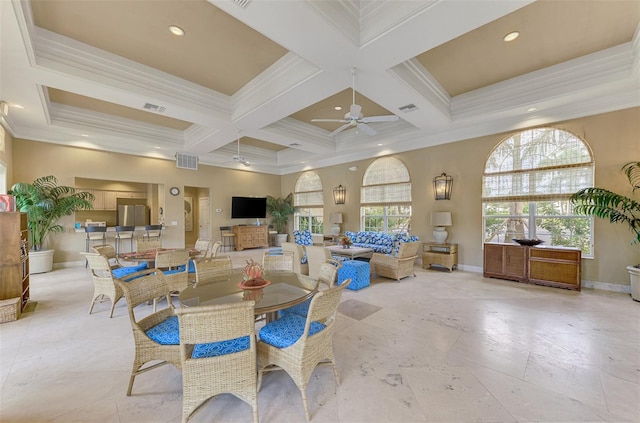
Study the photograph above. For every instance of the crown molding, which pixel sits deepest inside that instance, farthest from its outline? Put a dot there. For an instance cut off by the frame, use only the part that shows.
(415, 76)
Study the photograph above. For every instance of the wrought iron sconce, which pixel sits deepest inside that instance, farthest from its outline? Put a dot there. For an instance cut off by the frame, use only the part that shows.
(442, 187)
(339, 194)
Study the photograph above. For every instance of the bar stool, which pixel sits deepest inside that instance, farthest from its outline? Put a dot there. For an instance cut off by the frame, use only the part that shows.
(95, 234)
(153, 231)
(124, 232)
(227, 236)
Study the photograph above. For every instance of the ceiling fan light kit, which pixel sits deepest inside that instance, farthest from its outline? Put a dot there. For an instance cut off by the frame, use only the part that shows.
(355, 118)
(238, 157)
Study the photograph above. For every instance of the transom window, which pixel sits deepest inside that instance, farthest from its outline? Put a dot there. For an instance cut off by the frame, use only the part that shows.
(308, 198)
(385, 197)
(527, 182)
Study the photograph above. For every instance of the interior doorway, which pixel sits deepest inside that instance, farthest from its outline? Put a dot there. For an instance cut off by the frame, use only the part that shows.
(196, 215)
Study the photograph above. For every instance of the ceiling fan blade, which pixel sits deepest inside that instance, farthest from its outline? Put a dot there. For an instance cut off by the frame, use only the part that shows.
(329, 120)
(354, 111)
(388, 118)
(342, 128)
(366, 129)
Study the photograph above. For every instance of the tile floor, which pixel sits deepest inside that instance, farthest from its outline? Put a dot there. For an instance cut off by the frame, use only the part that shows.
(440, 347)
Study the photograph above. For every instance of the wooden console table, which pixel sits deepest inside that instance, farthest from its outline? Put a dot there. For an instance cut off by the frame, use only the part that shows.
(444, 255)
(552, 266)
(251, 236)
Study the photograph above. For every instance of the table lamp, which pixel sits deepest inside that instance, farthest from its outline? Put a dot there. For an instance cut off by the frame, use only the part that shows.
(439, 220)
(336, 219)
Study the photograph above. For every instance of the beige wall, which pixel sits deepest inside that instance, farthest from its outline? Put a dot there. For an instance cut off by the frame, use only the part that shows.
(34, 159)
(614, 138)
(6, 156)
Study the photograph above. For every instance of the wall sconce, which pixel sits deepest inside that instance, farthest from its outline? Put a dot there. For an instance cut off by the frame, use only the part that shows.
(339, 194)
(442, 187)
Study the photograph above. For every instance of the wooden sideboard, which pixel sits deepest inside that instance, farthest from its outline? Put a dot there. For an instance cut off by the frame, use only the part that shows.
(250, 236)
(552, 266)
(14, 257)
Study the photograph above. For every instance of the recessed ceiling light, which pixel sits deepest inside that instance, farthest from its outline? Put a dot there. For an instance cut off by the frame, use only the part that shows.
(84, 135)
(531, 109)
(337, 108)
(17, 106)
(176, 30)
(511, 36)
(353, 168)
(379, 144)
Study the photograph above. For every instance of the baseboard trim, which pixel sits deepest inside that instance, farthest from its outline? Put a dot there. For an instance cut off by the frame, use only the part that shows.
(606, 286)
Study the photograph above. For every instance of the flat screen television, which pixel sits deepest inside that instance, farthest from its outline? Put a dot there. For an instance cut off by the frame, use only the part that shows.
(248, 207)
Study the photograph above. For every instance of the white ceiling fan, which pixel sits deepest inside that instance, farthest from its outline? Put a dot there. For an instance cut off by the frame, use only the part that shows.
(355, 118)
(238, 157)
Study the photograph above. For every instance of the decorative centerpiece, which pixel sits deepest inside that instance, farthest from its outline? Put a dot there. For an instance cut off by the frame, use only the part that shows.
(528, 242)
(346, 242)
(252, 283)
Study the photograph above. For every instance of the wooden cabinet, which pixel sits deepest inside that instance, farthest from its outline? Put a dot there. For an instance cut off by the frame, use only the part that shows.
(104, 200)
(505, 261)
(14, 257)
(250, 237)
(445, 255)
(551, 266)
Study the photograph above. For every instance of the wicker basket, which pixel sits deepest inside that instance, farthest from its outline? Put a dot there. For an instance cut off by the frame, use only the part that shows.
(10, 310)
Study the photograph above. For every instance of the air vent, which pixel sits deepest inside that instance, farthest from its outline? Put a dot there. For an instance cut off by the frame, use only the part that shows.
(408, 108)
(242, 3)
(186, 161)
(294, 144)
(154, 108)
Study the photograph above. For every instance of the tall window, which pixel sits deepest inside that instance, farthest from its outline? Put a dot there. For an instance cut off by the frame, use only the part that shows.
(385, 197)
(527, 182)
(309, 200)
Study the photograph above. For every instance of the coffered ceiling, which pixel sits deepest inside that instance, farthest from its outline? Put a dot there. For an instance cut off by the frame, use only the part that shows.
(110, 75)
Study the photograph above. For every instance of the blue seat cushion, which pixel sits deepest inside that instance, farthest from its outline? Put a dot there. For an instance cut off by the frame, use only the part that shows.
(285, 331)
(166, 332)
(300, 309)
(124, 271)
(192, 266)
(215, 349)
(172, 271)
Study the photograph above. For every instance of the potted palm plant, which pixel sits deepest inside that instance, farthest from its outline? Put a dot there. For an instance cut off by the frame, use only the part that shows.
(280, 209)
(45, 202)
(617, 208)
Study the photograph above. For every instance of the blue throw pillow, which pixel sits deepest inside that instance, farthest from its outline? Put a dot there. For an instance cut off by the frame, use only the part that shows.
(285, 331)
(302, 237)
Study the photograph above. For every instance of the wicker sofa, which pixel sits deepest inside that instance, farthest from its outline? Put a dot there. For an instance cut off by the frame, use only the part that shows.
(380, 242)
(396, 266)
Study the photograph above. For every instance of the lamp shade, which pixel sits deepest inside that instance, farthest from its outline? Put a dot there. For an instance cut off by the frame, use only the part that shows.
(336, 218)
(441, 219)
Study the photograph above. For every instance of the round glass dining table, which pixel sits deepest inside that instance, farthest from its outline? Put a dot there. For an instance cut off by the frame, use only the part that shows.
(286, 290)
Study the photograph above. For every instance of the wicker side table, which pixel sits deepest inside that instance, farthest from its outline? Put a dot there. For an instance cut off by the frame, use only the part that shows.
(443, 255)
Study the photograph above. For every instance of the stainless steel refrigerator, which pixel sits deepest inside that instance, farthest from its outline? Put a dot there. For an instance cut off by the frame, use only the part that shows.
(134, 215)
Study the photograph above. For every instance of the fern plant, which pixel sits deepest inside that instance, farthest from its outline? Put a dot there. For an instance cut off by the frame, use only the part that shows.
(45, 202)
(606, 204)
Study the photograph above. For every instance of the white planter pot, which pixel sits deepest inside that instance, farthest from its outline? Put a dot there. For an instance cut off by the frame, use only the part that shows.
(41, 261)
(280, 238)
(634, 276)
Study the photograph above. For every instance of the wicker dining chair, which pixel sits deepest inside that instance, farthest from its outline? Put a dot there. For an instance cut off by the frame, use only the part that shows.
(327, 278)
(316, 255)
(104, 285)
(117, 268)
(278, 262)
(218, 354)
(297, 345)
(212, 269)
(146, 244)
(204, 247)
(215, 247)
(300, 264)
(156, 335)
(174, 264)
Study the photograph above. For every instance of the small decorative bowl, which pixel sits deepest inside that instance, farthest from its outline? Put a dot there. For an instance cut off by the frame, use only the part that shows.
(248, 284)
(252, 292)
(528, 242)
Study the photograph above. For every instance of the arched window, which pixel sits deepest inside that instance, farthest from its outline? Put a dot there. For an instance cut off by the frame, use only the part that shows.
(385, 197)
(528, 179)
(308, 198)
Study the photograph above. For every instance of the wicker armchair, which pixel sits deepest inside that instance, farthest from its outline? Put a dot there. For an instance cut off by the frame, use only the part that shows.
(212, 269)
(286, 344)
(155, 336)
(215, 248)
(278, 262)
(396, 267)
(174, 264)
(117, 268)
(299, 255)
(103, 281)
(204, 247)
(327, 278)
(218, 354)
